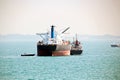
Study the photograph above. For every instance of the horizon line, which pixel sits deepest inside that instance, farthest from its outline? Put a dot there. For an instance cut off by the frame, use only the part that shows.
(67, 34)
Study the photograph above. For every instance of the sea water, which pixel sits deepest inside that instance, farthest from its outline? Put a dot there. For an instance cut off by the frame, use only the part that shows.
(99, 61)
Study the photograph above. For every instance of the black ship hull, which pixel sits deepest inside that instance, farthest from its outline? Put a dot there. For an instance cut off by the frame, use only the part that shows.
(76, 52)
(53, 50)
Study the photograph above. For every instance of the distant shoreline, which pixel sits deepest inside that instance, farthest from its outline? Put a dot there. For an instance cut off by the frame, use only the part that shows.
(21, 37)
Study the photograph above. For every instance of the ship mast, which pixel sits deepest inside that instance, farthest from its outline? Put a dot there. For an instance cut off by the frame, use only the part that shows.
(76, 36)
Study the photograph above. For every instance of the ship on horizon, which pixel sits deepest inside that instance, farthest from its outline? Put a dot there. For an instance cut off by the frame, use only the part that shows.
(115, 45)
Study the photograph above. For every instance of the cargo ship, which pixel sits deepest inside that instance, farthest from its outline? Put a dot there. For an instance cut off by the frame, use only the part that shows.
(76, 48)
(52, 44)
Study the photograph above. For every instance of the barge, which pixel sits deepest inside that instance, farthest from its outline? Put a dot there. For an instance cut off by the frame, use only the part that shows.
(115, 45)
(27, 54)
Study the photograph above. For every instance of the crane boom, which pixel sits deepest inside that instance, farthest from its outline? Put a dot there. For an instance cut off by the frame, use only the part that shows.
(65, 30)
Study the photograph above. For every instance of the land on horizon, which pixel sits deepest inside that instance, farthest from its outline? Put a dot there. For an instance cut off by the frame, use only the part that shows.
(30, 37)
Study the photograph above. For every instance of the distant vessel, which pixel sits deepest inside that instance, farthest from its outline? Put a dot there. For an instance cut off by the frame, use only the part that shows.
(52, 44)
(76, 48)
(115, 45)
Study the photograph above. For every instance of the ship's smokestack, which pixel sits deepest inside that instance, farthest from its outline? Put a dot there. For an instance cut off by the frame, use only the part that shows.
(52, 31)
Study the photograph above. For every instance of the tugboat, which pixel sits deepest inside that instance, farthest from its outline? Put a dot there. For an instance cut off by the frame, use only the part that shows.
(52, 44)
(76, 48)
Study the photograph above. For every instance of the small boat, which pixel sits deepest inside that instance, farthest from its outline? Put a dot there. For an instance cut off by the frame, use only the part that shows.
(115, 45)
(76, 48)
(27, 54)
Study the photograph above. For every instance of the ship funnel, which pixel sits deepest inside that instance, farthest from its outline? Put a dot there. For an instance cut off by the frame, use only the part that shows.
(52, 31)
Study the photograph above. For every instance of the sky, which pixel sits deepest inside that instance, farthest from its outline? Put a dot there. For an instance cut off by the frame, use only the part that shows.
(85, 17)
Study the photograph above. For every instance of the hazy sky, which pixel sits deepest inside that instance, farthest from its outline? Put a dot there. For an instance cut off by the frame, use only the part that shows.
(94, 17)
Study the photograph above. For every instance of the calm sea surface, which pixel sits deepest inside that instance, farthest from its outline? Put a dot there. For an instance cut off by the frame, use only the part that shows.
(99, 61)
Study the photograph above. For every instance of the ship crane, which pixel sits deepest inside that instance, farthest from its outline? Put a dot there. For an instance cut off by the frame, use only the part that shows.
(65, 30)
